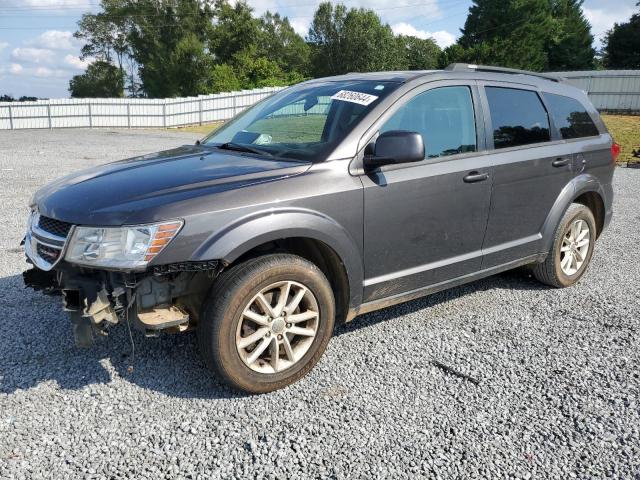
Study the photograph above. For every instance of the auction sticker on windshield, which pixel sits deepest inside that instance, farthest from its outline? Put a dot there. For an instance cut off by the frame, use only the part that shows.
(354, 97)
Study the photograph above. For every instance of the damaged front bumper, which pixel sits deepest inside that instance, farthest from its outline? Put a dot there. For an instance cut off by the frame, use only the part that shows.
(163, 299)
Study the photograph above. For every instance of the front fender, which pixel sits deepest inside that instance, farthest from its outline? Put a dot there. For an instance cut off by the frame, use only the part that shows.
(245, 233)
(581, 184)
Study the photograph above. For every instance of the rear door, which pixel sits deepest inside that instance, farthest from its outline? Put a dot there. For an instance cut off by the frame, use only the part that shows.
(424, 222)
(531, 166)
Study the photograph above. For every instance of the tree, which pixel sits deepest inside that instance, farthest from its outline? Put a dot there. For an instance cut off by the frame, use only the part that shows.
(420, 54)
(352, 40)
(165, 30)
(622, 44)
(224, 79)
(280, 43)
(188, 47)
(106, 36)
(236, 30)
(190, 66)
(510, 33)
(571, 45)
(101, 80)
(528, 34)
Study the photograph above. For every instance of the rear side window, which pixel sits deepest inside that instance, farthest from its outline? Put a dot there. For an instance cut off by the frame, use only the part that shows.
(443, 116)
(517, 116)
(570, 117)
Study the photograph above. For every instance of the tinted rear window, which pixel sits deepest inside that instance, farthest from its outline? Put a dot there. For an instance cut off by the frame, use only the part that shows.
(570, 117)
(517, 116)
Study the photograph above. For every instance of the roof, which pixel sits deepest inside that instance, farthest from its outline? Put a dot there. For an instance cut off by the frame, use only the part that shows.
(456, 70)
(399, 76)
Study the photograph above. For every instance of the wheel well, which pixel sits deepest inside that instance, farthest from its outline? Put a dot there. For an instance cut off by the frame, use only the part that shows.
(593, 202)
(318, 253)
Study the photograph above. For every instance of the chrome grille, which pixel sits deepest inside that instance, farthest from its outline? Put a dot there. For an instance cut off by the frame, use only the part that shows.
(47, 253)
(46, 240)
(57, 227)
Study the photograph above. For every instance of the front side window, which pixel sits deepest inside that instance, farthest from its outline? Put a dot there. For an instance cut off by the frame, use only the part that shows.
(304, 122)
(570, 117)
(443, 116)
(517, 116)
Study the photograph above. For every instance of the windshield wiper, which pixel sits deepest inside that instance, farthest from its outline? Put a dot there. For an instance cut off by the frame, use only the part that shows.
(237, 147)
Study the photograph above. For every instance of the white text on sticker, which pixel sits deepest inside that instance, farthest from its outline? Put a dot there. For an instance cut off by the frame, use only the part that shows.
(354, 97)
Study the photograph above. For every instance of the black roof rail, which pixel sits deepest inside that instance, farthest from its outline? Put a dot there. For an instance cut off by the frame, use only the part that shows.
(465, 67)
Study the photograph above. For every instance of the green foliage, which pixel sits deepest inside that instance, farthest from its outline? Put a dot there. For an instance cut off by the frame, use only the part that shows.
(622, 45)
(356, 40)
(280, 43)
(236, 30)
(224, 79)
(191, 67)
(529, 34)
(510, 33)
(571, 45)
(420, 54)
(101, 80)
(189, 47)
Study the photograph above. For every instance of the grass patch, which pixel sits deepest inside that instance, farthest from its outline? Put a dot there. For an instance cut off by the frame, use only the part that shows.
(203, 130)
(625, 130)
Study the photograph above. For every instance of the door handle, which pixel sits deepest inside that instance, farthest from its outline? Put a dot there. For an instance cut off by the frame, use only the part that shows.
(560, 162)
(473, 177)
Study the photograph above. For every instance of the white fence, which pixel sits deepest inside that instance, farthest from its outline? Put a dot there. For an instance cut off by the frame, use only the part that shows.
(128, 112)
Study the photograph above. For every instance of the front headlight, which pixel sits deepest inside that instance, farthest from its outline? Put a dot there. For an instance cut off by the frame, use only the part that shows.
(131, 247)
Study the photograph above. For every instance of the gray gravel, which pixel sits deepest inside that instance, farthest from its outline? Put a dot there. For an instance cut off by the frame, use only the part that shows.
(545, 383)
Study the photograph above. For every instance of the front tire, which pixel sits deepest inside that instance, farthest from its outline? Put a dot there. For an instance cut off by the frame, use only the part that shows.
(572, 249)
(267, 322)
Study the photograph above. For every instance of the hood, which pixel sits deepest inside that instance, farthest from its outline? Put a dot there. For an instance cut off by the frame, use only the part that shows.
(112, 194)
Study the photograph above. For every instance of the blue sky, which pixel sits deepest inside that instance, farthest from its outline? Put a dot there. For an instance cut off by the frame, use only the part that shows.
(38, 54)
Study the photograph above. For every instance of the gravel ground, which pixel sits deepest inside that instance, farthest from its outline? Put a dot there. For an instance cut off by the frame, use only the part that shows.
(546, 382)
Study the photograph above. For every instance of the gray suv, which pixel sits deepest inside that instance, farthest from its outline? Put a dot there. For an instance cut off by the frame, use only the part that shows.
(333, 198)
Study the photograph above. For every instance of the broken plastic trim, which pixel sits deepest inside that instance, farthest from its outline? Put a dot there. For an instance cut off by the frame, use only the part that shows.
(186, 267)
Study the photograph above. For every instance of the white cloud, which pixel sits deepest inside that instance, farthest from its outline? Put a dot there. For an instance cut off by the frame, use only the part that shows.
(602, 20)
(33, 55)
(15, 69)
(442, 37)
(300, 27)
(77, 63)
(3, 45)
(55, 40)
(41, 4)
(44, 72)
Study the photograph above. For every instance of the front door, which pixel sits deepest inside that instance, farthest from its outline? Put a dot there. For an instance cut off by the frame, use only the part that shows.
(424, 222)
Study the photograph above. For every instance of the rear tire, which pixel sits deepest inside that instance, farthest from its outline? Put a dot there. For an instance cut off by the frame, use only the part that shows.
(254, 335)
(572, 249)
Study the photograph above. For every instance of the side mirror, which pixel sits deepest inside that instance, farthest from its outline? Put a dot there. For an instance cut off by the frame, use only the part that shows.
(396, 146)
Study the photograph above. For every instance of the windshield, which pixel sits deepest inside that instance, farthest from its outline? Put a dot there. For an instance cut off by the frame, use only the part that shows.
(305, 122)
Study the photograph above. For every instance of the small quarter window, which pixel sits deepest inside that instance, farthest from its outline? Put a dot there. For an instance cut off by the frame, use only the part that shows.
(570, 117)
(517, 116)
(443, 116)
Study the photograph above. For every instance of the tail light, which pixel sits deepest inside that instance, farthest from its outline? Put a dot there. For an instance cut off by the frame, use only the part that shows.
(615, 151)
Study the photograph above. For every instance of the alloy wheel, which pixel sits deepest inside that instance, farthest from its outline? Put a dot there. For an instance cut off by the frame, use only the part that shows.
(575, 247)
(278, 326)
